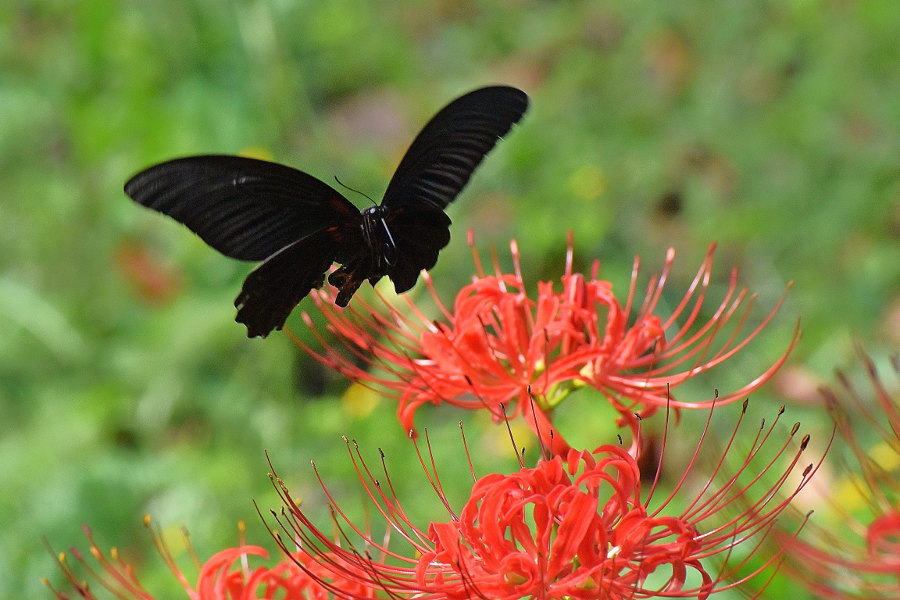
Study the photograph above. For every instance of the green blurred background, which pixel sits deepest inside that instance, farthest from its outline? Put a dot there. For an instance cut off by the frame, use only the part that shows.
(125, 386)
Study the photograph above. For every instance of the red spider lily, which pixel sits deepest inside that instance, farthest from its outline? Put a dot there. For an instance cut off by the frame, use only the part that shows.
(580, 526)
(500, 346)
(225, 576)
(859, 555)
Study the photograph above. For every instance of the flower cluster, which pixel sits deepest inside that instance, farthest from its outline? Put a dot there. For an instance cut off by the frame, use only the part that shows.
(579, 526)
(499, 346)
(226, 575)
(861, 559)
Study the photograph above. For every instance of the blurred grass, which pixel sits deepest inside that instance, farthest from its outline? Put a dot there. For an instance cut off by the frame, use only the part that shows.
(770, 127)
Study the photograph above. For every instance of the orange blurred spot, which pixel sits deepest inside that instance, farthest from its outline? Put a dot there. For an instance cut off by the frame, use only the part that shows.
(150, 280)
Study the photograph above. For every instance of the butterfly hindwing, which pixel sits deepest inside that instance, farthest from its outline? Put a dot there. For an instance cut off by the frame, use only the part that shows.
(275, 287)
(419, 235)
(245, 208)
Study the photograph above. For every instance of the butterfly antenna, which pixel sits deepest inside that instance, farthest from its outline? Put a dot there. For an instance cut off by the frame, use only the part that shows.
(347, 187)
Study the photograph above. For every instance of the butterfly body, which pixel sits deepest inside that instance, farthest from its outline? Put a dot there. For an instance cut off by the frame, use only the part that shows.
(299, 226)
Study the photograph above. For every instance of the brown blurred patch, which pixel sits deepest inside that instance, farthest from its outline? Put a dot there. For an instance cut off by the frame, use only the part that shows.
(716, 170)
(892, 224)
(377, 119)
(649, 457)
(799, 384)
(525, 71)
(604, 28)
(759, 86)
(491, 211)
(669, 204)
(891, 321)
(669, 61)
(666, 221)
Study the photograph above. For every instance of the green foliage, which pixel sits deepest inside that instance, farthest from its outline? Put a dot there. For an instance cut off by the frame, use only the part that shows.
(775, 124)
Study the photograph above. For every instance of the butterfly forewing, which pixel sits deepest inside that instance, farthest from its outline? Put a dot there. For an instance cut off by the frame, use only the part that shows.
(245, 208)
(442, 158)
(434, 170)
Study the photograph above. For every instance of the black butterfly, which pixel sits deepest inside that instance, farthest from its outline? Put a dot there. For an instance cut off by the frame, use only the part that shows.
(298, 226)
